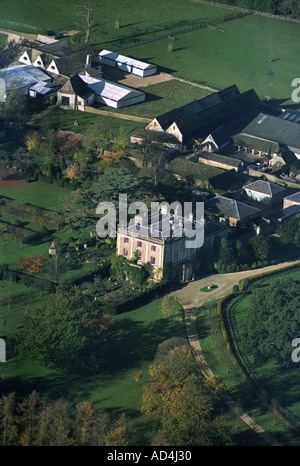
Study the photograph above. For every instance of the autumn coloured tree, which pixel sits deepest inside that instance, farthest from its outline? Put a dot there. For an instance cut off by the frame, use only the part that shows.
(31, 264)
(73, 171)
(185, 402)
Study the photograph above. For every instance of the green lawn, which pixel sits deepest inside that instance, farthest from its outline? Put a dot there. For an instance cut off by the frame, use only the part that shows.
(38, 193)
(281, 384)
(216, 355)
(137, 18)
(158, 99)
(65, 119)
(114, 389)
(241, 55)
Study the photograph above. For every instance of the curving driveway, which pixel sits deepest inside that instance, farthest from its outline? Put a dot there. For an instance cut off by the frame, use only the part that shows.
(192, 298)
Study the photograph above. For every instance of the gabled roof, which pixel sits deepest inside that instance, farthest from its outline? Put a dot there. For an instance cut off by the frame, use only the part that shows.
(220, 136)
(265, 187)
(75, 85)
(283, 213)
(196, 106)
(226, 160)
(230, 207)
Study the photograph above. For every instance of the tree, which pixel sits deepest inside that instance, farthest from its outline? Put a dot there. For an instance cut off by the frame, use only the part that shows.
(261, 247)
(170, 307)
(185, 402)
(272, 321)
(115, 181)
(86, 12)
(289, 231)
(7, 404)
(72, 213)
(69, 332)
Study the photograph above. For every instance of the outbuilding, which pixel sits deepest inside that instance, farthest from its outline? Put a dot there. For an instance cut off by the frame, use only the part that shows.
(130, 65)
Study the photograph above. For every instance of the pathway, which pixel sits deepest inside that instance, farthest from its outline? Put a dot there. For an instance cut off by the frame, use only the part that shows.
(192, 298)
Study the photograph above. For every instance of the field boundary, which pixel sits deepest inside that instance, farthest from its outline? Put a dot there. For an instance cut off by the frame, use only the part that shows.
(186, 30)
(247, 11)
(238, 360)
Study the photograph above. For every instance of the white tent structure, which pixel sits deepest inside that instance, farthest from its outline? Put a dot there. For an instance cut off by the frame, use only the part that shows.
(21, 77)
(130, 65)
(112, 94)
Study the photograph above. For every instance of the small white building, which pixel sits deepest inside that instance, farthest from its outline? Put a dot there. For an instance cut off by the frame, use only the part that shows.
(128, 64)
(112, 94)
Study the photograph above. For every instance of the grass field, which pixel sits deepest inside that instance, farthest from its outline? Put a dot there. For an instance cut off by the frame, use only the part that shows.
(241, 55)
(138, 19)
(280, 384)
(113, 389)
(216, 355)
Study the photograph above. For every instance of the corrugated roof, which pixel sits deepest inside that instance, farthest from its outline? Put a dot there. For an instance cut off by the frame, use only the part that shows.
(274, 129)
(110, 90)
(125, 60)
(22, 75)
(291, 115)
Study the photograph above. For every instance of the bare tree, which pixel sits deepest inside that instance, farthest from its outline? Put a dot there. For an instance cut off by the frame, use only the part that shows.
(86, 12)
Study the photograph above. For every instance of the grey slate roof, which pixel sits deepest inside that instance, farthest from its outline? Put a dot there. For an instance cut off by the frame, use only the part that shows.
(275, 129)
(230, 207)
(226, 160)
(166, 119)
(294, 197)
(283, 213)
(264, 187)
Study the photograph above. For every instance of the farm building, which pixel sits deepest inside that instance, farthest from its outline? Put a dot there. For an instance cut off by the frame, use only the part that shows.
(221, 161)
(275, 130)
(128, 64)
(22, 78)
(215, 141)
(200, 118)
(112, 94)
(293, 199)
(264, 192)
(229, 211)
(75, 94)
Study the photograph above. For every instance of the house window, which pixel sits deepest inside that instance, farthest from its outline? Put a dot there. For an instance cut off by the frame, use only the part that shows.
(125, 252)
(139, 254)
(126, 240)
(152, 260)
(153, 248)
(152, 275)
(65, 101)
(39, 62)
(139, 244)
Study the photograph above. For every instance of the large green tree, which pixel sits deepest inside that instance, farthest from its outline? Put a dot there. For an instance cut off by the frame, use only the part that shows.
(272, 321)
(69, 332)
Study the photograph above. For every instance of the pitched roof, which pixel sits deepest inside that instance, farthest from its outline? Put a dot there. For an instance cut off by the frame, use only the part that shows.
(265, 187)
(294, 197)
(196, 106)
(226, 160)
(274, 129)
(230, 207)
(75, 85)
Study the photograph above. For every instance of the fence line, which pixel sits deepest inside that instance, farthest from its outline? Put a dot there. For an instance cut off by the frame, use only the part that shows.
(185, 30)
(246, 10)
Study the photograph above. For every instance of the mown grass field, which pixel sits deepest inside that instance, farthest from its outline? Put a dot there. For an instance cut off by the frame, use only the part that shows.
(114, 389)
(241, 54)
(280, 384)
(138, 19)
